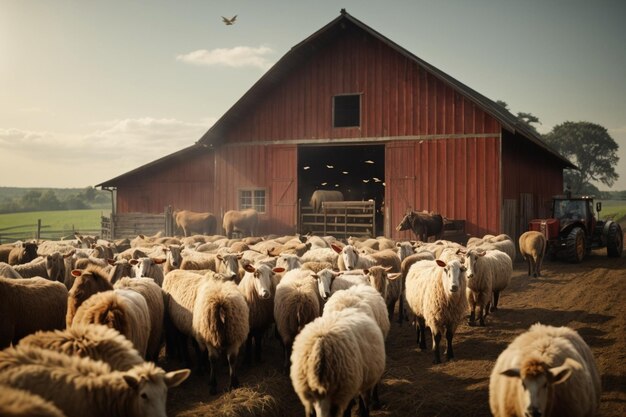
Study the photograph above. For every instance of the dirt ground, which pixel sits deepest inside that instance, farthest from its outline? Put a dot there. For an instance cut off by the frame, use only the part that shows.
(589, 297)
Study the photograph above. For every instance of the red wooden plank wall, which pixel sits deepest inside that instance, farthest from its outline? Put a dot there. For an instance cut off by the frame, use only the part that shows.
(458, 178)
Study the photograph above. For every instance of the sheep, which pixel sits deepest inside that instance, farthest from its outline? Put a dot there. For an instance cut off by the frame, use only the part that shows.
(84, 387)
(316, 266)
(5, 250)
(388, 285)
(122, 309)
(21, 403)
(148, 268)
(7, 271)
(532, 247)
(344, 279)
(227, 264)
(288, 261)
(501, 242)
(317, 242)
(119, 269)
(173, 258)
(258, 285)
(545, 371)
(22, 253)
(154, 297)
(488, 273)
(94, 341)
(246, 221)
(364, 298)
(29, 305)
(335, 358)
(215, 313)
(87, 282)
(296, 303)
(349, 258)
(321, 255)
(50, 266)
(319, 196)
(404, 249)
(198, 260)
(435, 293)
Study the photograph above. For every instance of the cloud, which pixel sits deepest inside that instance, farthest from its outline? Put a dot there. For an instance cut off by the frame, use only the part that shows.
(237, 57)
(111, 149)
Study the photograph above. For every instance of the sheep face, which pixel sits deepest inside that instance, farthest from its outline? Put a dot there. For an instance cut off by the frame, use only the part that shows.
(174, 256)
(470, 260)
(55, 267)
(263, 275)
(229, 265)
(121, 268)
(150, 392)
(537, 384)
(324, 281)
(143, 266)
(350, 257)
(288, 261)
(377, 276)
(453, 274)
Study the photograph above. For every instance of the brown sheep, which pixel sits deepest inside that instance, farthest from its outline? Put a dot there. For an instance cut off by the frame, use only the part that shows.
(23, 253)
(193, 222)
(532, 247)
(21, 403)
(245, 221)
(87, 282)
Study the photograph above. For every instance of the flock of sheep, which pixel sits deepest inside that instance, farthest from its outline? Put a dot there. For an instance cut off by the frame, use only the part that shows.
(84, 320)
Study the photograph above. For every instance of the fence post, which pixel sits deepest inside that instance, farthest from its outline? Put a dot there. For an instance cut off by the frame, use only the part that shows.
(38, 229)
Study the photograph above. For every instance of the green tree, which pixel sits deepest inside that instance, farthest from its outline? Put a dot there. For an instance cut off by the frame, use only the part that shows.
(49, 201)
(527, 118)
(588, 146)
(30, 200)
(89, 193)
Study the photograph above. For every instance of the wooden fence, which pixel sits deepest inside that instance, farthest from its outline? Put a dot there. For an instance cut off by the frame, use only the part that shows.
(129, 225)
(40, 231)
(339, 218)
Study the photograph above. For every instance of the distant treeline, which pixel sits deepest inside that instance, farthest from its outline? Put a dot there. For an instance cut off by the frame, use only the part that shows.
(15, 200)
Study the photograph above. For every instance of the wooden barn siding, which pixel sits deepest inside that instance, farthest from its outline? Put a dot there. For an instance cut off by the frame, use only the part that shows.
(183, 184)
(526, 169)
(458, 178)
(399, 98)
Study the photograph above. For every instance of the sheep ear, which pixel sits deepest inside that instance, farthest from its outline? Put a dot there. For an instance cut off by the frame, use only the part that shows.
(76, 272)
(335, 248)
(441, 263)
(239, 256)
(278, 270)
(158, 260)
(132, 381)
(67, 255)
(175, 378)
(388, 269)
(249, 268)
(366, 271)
(133, 262)
(512, 373)
(394, 276)
(111, 261)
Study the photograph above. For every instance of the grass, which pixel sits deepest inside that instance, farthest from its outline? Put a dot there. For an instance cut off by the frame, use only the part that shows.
(54, 224)
(615, 209)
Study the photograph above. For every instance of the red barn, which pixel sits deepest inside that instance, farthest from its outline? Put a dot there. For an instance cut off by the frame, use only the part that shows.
(349, 109)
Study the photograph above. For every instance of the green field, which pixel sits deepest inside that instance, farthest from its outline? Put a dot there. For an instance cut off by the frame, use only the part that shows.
(615, 209)
(54, 224)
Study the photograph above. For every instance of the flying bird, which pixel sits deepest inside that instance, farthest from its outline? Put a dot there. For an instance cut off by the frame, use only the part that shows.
(228, 21)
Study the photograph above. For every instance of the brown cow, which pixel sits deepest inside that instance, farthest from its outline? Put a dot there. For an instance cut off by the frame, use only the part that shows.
(423, 224)
(245, 221)
(193, 222)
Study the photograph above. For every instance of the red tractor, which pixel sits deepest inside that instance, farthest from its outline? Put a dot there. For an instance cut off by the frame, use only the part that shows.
(573, 231)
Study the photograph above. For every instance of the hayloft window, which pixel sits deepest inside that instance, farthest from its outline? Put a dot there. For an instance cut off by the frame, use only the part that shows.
(347, 110)
(252, 198)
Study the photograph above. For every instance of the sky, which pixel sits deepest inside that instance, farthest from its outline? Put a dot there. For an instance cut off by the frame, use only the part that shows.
(92, 89)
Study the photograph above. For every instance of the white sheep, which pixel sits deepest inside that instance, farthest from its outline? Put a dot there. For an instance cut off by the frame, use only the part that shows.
(336, 358)
(213, 312)
(149, 268)
(154, 296)
(120, 268)
(173, 258)
(93, 341)
(435, 293)
(350, 258)
(387, 284)
(28, 305)
(321, 255)
(488, 273)
(21, 403)
(245, 221)
(532, 247)
(122, 309)
(228, 265)
(296, 303)
(288, 261)
(84, 387)
(501, 271)
(8, 271)
(344, 279)
(258, 286)
(545, 371)
(50, 266)
(501, 242)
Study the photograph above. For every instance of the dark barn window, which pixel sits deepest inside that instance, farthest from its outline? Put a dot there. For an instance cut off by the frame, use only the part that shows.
(347, 110)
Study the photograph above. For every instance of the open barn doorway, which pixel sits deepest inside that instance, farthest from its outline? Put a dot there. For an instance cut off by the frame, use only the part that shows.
(358, 171)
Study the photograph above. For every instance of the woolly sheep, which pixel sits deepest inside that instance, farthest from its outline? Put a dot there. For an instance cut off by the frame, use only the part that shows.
(258, 286)
(173, 258)
(51, 266)
(213, 312)
(336, 358)
(545, 371)
(7, 271)
(501, 242)
(350, 258)
(343, 280)
(21, 403)
(149, 268)
(87, 282)
(435, 293)
(122, 309)
(93, 341)
(22, 253)
(245, 221)
(195, 222)
(501, 274)
(388, 285)
(84, 387)
(532, 247)
(154, 297)
(296, 303)
(193, 260)
(488, 273)
(321, 255)
(319, 196)
(29, 305)
(288, 261)
(120, 268)
(228, 265)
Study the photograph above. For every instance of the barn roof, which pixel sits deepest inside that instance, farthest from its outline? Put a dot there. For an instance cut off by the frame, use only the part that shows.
(326, 35)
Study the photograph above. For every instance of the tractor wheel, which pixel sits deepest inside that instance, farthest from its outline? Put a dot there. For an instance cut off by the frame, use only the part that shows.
(614, 241)
(575, 251)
